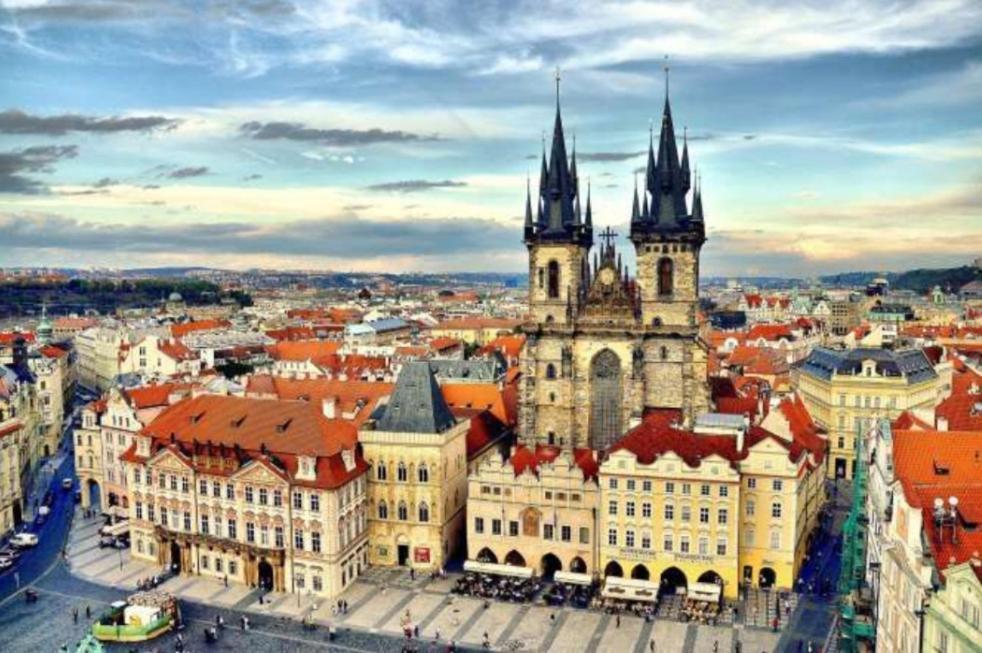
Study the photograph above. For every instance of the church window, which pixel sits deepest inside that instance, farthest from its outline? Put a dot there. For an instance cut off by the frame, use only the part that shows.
(550, 371)
(664, 353)
(552, 437)
(380, 471)
(383, 510)
(424, 474)
(542, 276)
(553, 279)
(401, 473)
(665, 277)
(424, 512)
(656, 321)
(403, 511)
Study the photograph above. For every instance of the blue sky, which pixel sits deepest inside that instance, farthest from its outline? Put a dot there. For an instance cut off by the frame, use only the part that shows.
(397, 136)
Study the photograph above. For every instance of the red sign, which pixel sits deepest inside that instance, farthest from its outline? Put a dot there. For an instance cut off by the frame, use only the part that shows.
(421, 554)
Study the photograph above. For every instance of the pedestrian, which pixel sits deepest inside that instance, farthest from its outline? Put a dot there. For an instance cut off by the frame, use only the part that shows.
(412, 573)
(774, 624)
(437, 636)
(739, 647)
(88, 612)
(75, 615)
(344, 606)
(242, 621)
(226, 580)
(716, 646)
(618, 619)
(651, 645)
(552, 618)
(416, 631)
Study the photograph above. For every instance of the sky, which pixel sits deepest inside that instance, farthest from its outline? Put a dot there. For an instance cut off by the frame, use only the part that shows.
(397, 136)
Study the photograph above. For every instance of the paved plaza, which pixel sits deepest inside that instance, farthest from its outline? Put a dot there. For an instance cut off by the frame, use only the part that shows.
(384, 602)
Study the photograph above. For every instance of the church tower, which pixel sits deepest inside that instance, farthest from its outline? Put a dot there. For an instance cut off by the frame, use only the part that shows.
(557, 237)
(667, 236)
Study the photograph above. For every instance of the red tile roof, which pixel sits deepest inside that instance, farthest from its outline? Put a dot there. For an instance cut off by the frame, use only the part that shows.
(50, 351)
(349, 394)
(292, 333)
(523, 458)
(510, 346)
(483, 396)
(770, 332)
(319, 352)
(480, 323)
(150, 396)
(8, 337)
(180, 330)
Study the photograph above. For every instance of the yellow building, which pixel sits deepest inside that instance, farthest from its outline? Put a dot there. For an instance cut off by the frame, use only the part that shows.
(88, 454)
(845, 389)
(953, 620)
(535, 507)
(726, 502)
(475, 330)
(11, 495)
(417, 489)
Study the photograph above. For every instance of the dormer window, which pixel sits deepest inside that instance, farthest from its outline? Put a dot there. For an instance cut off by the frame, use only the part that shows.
(306, 468)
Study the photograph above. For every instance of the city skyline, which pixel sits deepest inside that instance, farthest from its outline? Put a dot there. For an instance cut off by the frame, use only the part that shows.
(399, 138)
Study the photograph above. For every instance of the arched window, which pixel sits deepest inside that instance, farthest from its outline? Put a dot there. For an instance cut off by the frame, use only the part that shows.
(383, 510)
(664, 353)
(403, 511)
(380, 471)
(424, 474)
(424, 512)
(401, 473)
(542, 277)
(553, 279)
(665, 277)
(550, 371)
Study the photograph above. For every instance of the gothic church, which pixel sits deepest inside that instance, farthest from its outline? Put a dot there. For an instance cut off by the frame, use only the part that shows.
(604, 347)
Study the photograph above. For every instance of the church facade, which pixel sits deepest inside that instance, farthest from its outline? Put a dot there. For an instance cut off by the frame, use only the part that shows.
(604, 346)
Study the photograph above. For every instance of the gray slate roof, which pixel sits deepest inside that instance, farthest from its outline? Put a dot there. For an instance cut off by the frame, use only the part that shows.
(910, 363)
(416, 404)
(473, 369)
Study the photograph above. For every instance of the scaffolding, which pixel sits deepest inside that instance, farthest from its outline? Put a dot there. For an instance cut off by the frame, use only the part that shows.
(854, 625)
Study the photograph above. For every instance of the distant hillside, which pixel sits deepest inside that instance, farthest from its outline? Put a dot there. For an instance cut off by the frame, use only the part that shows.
(950, 279)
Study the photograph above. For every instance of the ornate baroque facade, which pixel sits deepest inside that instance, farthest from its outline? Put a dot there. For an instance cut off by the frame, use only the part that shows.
(603, 348)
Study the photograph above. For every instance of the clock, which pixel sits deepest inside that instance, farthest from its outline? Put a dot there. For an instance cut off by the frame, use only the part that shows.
(606, 276)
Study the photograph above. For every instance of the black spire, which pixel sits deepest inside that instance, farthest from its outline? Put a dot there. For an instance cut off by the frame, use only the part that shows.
(697, 215)
(529, 225)
(589, 211)
(686, 180)
(635, 208)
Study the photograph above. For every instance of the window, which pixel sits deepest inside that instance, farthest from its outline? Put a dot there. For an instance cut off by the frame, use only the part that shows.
(775, 539)
(383, 510)
(163, 516)
(613, 484)
(721, 546)
(548, 532)
(315, 503)
(263, 496)
(686, 513)
(278, 537)
(479, 524)
(230, 492)
(424, 515)
(232, 535)
(686, 489)
(704, 515)
(612, 507)
(139, 510)
(669, 487)
(749, 537)
(136, 476)
(776, 510)
(777, 484)
(496, 527)
(646, 486)
(629, 538)
(665, 277)
(250, 532)
(202, 486)
(703, 546)
(318, 583)
(380, 472)
(751, 483)
(704, 490)
(669, 512)
(668, 543)
(315, 542)
(584, 535)
(297, 500)
(403, 511)
(684, 544)
(204, 524)
(553, 279)
(751, 509)
(722, 516)
(612, 536)
(550, 371)
(629, 508)
(161, 479)
(424, 474)
(204, 562)
(646, 509)
(298, 540)
(277, 498)
(630, 484)
(185, 485)
(249, 494)
(402, 474)
(566, 534)
(645, 540)
(150, 515)
(724, 491)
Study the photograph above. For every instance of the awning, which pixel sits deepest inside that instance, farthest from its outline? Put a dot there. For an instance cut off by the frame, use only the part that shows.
(117, 529)
(630, 589)
(496, 569)
(705, 592)
(573, 578)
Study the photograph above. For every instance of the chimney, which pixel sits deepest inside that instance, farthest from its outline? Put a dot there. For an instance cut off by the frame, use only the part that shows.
(942, 423)
(329, 407)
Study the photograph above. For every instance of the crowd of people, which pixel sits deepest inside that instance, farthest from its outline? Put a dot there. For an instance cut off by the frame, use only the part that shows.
(504, 588)
(579, 596)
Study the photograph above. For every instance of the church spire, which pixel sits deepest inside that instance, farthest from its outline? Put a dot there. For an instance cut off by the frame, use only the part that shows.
(697, 215)
(589, 211)
(635, 208)
(686, 180)
(529, 226)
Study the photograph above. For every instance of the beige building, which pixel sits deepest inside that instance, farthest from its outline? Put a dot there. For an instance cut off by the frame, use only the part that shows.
(98, 350)
(952, 622)
(153, 356)
(535, 508)
(263, 492)
(845, 389)
(417, 492)
(11, 493)
(54, 384)
(475, 330)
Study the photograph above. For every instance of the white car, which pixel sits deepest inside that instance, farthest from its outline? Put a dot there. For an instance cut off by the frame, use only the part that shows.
(24, 540)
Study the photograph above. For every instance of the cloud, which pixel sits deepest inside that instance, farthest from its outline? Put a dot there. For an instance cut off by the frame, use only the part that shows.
(415, 185)
(106, 181)
(345, 237)
(608, 156)
(254, 176)
(356, 207)
(39, 158)
(295, 131)
(186, 172)
(14, 121)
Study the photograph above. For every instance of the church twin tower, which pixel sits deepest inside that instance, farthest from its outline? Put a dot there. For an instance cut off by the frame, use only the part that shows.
(604, 348)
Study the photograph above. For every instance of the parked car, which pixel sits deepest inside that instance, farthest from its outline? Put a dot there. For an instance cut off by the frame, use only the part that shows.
(10, 554)
(24, 540)
(6, 563)
(67, 483)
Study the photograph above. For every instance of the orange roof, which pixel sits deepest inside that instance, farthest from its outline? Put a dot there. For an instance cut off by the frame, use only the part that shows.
(479, 323)
(483, 431)
(523, 458)
(8, 337)
(50, 351)
(352, 396)
(292, 333)
(771, 332)
(149, 396)
(176, 350)
(963, 408)
(482, 396)
(908, 421)
(74, 322)
(319, 352)
(179, 330)
(443, 344)
(510, 346)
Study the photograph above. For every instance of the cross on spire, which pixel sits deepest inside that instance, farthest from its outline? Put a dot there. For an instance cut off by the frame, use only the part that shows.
(666, 68)
(558, 78)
